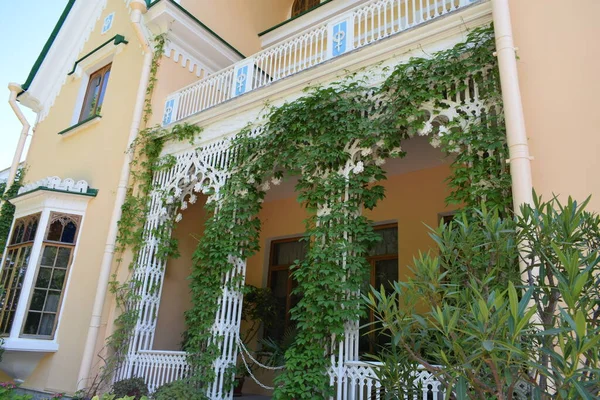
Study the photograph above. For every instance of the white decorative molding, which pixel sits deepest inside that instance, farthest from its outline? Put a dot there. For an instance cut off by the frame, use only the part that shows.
(189, 39)
(54, 182)
(66, 49)
(179, 55)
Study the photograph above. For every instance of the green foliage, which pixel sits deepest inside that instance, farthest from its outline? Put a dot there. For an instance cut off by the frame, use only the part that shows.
(463, 318)
(146, 162)
(134, 387)
(7, 211)
(560, 248)
(178, 390)
(113, 397)
(336, 139)
(8, 392)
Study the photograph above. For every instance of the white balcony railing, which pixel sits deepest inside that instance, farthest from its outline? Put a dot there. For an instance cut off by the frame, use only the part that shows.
(370, 22)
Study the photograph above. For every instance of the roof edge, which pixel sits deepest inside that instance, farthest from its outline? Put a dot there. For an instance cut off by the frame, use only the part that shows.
(47, 46)
(152, 3)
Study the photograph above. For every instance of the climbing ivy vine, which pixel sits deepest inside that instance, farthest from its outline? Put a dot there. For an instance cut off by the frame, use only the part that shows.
(336, 139)
(146, 162)
(7, 211)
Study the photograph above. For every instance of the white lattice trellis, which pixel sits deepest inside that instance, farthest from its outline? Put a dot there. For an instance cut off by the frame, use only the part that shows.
(205, 169)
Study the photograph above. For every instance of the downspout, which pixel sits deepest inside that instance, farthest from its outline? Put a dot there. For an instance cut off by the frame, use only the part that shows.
(138, 7)
(15, 89)
(518, 149)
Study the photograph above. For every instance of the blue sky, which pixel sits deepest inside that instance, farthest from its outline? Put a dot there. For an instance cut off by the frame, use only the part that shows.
(25, 25)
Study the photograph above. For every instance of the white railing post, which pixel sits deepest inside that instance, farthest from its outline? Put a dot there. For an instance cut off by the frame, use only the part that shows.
(171, 108)
(340, 36)
(243, 76)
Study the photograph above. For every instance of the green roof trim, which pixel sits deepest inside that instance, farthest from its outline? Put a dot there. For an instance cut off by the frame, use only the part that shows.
(118, 39)
(46, 48)
(77, 125)
(293, 18)
(151, 3)
(90, 192)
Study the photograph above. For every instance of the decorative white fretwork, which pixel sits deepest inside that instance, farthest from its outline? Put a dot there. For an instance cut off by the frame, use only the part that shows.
(55, 183)
(205, 170)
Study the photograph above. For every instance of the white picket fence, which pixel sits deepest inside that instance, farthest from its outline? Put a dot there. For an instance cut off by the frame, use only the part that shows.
(365, 24)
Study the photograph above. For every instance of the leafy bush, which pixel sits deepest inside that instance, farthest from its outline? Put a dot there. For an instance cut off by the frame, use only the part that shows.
(107, 396)
(134, 387)
(468, 318)
(7, 392)
(178, 390)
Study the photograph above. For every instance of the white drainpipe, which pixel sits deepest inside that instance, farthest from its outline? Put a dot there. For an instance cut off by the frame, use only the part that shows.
(138, 7)
(15, 89)
(520, 160)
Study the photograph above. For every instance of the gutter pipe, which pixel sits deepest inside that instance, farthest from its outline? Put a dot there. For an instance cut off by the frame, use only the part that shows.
(15, 89)
(138, 7)
(518, 149)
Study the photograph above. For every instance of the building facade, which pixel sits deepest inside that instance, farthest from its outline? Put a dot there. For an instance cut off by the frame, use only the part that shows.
(222, 62)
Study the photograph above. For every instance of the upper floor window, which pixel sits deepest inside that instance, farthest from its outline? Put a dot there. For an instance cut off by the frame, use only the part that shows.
(49, 285)
(15, 266)
(301, 6)
(94, 94)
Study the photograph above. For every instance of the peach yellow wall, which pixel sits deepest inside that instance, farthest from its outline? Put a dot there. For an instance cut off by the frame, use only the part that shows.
(95, 154)
(175, 297)
(412, 200)
(239, 21)
(558, 64)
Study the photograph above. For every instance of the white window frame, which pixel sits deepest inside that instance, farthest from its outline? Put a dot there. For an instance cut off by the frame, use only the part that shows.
(86, 68)
(44, 202)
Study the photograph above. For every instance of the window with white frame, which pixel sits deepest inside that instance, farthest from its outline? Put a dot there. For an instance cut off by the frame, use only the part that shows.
(13, 272)
(48, 288)
(94, 95)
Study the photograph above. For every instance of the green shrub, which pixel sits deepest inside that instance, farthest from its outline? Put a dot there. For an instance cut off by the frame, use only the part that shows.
(7, 392)
(178, 390)
(469, 318)
(134, 387)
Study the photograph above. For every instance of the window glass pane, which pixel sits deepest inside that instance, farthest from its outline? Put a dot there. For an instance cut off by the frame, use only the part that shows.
(386, 272)
(388, 243)
(37, 300)
(18, 235)
(62, 261)
(91, 100)
(68, 235)
(279, 288)
(102, 92)
(43, 278)
(286, 253)
(31, 323)
(58, 279)
(49, 256)
(55, 231)
(47, 324)
(52, 301)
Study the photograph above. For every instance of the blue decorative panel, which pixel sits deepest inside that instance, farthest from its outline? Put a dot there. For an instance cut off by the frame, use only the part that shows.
(340, 31)
(108, 21)
(168, 115)
(241, 80)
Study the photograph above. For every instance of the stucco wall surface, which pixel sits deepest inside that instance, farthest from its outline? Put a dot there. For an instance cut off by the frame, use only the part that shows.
(96, 155)
(559, 60)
